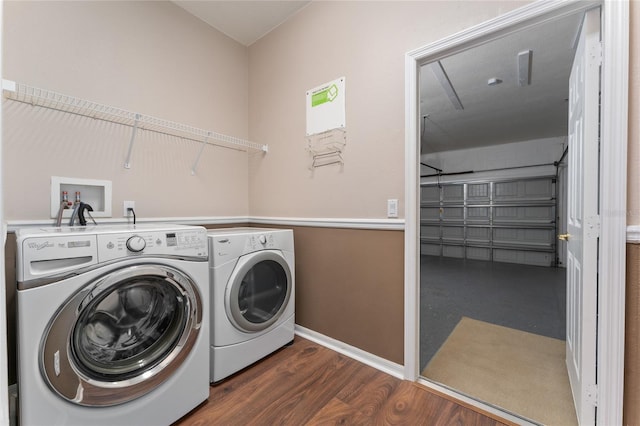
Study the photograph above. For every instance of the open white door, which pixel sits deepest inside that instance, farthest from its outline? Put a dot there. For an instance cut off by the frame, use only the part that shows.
(583, 222)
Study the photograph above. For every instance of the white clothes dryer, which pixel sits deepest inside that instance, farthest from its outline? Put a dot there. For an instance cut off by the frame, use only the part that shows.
(113, 324)
(252, 296)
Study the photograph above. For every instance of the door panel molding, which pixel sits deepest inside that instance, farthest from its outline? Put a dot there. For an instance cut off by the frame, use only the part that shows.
(582, 245)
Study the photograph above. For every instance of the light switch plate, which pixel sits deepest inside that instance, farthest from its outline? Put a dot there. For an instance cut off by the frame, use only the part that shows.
(392, 207)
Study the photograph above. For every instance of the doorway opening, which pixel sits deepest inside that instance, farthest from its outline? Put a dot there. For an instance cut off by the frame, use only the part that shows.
(611, 268)
(492, 184)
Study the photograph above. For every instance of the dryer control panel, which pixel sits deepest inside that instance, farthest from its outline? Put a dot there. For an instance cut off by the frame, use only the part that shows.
(230, 243)
(259, 242)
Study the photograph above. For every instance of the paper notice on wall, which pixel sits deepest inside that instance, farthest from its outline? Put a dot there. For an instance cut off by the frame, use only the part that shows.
(326, 107)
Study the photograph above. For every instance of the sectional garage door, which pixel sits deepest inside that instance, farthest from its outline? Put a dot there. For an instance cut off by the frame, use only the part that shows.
(499, 220)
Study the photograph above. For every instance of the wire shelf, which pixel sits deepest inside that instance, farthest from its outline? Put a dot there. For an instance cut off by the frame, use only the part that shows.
(61, 102)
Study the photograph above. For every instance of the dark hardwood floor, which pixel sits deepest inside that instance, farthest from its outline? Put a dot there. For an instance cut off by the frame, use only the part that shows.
(308, 384)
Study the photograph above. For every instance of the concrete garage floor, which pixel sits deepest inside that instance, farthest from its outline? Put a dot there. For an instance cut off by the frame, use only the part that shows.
(527, 298)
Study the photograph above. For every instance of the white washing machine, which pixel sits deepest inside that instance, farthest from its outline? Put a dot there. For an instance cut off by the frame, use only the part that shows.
(113, 324)
(252, 296)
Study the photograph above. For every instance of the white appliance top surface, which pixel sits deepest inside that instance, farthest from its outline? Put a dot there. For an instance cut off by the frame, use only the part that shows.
(242, 231)
(97, 229)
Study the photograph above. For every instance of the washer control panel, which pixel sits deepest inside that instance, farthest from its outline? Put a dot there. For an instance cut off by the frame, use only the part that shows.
(55, 251)
(183, 243)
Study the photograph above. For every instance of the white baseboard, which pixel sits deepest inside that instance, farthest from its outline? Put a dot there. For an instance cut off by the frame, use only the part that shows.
(364, 357)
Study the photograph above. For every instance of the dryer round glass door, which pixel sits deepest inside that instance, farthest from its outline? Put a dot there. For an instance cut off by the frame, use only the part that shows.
(258, 290)
(121, 336)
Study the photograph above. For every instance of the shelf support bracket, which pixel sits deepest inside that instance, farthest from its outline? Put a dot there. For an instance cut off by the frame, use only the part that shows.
(195, 163)
(127, 163)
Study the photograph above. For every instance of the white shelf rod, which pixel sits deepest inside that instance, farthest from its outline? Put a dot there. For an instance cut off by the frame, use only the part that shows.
(49, 99)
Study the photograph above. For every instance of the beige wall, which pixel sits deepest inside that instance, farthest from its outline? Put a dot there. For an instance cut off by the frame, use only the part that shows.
(365, 42)
(146, 57)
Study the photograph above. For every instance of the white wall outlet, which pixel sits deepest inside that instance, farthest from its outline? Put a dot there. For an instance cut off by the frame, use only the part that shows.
(128, 205)
(392, 207)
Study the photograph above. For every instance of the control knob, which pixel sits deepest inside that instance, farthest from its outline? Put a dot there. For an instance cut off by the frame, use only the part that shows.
(136, 243)
(262, 239)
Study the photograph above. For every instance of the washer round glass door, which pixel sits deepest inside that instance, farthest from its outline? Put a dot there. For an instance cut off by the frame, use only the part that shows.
(258, 290)
(122, 335)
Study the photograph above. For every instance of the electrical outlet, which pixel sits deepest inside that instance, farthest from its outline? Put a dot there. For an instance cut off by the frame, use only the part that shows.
(128, 205)
(392, 208)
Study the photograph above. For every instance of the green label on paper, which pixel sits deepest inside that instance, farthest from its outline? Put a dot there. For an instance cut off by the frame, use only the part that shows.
(324, 96)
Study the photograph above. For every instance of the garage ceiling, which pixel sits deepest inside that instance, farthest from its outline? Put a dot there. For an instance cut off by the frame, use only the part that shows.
(490, 114)
(505, 112)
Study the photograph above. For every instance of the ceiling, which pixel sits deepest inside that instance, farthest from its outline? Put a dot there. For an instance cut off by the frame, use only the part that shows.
(491, 114)
(244, 21)
(504, 112)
